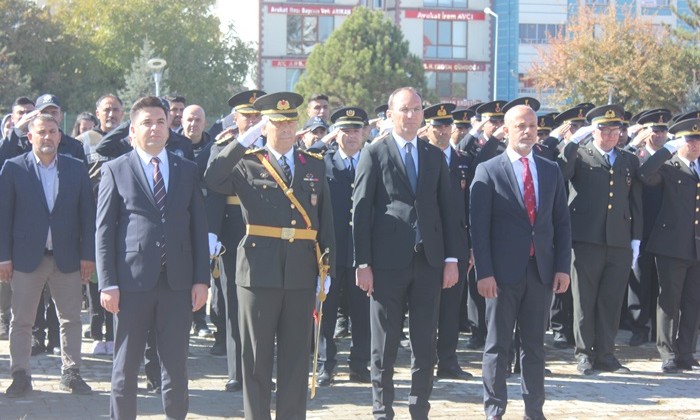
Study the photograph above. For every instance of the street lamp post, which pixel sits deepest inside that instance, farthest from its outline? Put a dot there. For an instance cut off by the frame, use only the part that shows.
(488, 11)
(156, 65)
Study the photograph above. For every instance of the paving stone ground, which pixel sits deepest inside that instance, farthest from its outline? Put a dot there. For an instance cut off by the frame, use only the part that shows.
(646, 393)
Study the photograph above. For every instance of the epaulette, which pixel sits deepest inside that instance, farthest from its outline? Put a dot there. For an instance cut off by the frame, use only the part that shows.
(313, 155)
(251, 151)
(223, 141)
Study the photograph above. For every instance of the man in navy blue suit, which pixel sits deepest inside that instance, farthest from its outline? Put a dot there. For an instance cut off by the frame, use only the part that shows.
(521, 236)
(47, 236)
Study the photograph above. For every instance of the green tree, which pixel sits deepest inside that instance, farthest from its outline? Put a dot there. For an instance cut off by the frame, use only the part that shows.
(139, 81)
(12, 82)
(204, 63)
(689, 37)
(362, 62)
(599, 53)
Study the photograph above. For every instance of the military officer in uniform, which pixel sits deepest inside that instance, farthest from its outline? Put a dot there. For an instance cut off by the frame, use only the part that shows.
(439, 122)
(340, 171)
(462, 124)
(286, 206)
(675, 240)
(226, 227)
(605, 202)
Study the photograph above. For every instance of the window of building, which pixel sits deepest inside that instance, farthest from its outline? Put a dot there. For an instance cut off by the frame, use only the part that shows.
(444, 39)
(293, 76)
(538, 33)
(655, 4)
(304, 32)
(447, 85)
(597, 2)
(446, 4)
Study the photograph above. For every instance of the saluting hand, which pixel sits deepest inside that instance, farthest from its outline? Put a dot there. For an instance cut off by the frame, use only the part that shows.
(364, 279)
(561, 282)
(487, 287)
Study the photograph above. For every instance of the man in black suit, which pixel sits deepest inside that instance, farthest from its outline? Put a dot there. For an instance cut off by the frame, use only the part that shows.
(47, 215)
(405, 249)
(438, 132)
(152, 261)
(675, 241)
(522, 251)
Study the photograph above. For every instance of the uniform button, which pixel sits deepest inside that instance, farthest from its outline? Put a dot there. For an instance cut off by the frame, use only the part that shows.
(157, 243)
(162, 220)
(611, 194)
(696, 222)
(698, 185)
(609, 206)
(292, 206)
(697, 197)
(612, 172)
(612, 183)
(697, 209)
(253, 244)
(350, 223)
(352, 185)
(352, 210)
(294, 222)
(264, 187)
(291, 240)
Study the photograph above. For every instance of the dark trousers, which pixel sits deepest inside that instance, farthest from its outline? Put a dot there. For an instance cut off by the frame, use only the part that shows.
(233, 335)
(526, 302)
(561, 314)
(99, 317)
(217, 309)
(170, 313)
(476, 307)
(678, 311)
(448, 322)
(419, 284)
(642, 293)
(46, 322)
(599, 280)
(266, 314)
(358, 309)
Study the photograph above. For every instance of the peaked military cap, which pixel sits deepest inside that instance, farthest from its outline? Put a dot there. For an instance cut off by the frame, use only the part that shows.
(525, 100)
(493, 109)
(655, 118)
(463, 117)
(689, 127)
(575, 114)
(606, 115)
(349, 117)
(439, 114)
(243, 102)
(280, 106)
(545, 122)
(635, 118)
(686, 116)
(587, 106)
(626, 117)
(381, 111)
(473, 109)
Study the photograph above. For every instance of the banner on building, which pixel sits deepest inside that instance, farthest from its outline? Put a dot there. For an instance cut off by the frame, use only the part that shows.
(451, 66)
(459, 15)
(295, 63)
(308, 10)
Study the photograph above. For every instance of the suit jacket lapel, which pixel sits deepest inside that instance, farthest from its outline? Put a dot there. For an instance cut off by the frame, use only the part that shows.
(173, 177)
(395, 156)
(137, 169)
(510, 176)
(62, 181)
(598, 157)
(422, 161)
(35, 180)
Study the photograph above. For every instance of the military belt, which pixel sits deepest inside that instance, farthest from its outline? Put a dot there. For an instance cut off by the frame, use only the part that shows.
(233, 200)
(287, 234)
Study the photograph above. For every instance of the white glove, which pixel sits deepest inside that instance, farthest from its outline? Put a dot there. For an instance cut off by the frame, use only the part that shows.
(673, 145)
(635, 251)
(582, 133)
(255, 131)
(214, 244)
(326, 284)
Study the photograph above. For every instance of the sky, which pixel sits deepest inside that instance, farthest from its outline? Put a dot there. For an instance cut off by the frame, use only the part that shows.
(243, 14)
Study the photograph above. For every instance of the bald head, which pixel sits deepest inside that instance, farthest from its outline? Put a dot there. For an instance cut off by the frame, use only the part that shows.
(193, 122)
(520, 127)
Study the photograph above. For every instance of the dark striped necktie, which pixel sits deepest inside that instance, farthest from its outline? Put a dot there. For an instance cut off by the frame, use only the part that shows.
(286, 169)
(159, 196)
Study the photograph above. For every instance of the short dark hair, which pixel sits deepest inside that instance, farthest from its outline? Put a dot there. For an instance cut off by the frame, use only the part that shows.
(22, 100)
(108, 95)
(318, 97)
(146, 102)
(175, 98)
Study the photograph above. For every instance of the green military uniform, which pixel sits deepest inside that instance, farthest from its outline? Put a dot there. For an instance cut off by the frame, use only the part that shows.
(606, 215)
(277, 262)
(675, 240)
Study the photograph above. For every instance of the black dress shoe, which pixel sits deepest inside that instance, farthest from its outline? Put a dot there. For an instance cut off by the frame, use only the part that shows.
(584, 365)
(325, 378)
(218, 349)
(153, 385)
(454, 373)
(233, 386)
(687, 364)
(72, 382)
(21, 384)
(611, 365)
(638, 338)
(474, 343)
(360, 376)
(670, 366)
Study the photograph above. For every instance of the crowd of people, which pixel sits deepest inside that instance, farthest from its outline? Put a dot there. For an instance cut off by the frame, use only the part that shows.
(498, 220)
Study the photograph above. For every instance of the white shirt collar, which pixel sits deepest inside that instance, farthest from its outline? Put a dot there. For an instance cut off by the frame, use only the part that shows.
(687, 162)
(50, 165)
(289, 155)
(515, 156)
(402, 141)
(356, 156)
(146, 158)
(603, 152)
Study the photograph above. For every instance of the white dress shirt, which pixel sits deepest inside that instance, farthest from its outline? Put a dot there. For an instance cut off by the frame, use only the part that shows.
(518, 168)
(289, 155)
(612, 154)
(148, 167)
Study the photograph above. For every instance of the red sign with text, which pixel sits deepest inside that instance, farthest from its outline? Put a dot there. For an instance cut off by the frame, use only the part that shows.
(451, 66)
(308, 10)
(460, 15)
(299, 63)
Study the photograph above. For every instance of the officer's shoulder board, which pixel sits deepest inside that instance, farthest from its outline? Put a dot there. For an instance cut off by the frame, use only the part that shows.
(223, 141)
(256, 150)
(313, 155)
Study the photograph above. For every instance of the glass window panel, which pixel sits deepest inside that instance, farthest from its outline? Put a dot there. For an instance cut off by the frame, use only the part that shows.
(444, 51)
(293, 76)
(444, 33)
(325, 27)
(444, 3)
(430, 79)
(459, 52)
(459, 85)
(430, 3)
(430, 31)
(459, 33)
(461, 4)
(294, 35)
(431, 52)
(444, 87)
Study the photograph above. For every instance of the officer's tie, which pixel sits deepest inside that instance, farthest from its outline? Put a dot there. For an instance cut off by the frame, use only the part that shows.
(529, 196)
(159, 196)
(411, 167)
(351, 166)
(693, 169)
(607, 159)
(286, 169)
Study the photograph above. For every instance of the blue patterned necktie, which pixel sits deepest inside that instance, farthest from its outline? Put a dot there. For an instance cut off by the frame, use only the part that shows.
(411, 167)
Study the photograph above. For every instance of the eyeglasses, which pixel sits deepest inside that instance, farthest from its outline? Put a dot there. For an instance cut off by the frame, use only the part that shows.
(610, 131)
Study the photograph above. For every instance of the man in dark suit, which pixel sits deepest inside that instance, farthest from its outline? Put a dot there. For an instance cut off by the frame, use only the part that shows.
(675, 241)
(340, 171)
(605, 202)
(405, 249)
(522, 252)
(438, 131)
(152, 261)
(47, 216)
(286, 206)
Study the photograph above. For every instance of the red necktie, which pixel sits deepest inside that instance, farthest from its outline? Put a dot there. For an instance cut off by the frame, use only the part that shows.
(529, 196)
